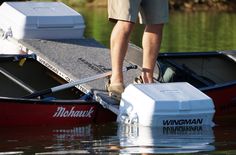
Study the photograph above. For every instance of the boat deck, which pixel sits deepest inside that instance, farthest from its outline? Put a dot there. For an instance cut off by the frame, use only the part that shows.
(79, 59)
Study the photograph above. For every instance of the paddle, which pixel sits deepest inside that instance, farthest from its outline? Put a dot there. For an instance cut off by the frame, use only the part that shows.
(72, 84)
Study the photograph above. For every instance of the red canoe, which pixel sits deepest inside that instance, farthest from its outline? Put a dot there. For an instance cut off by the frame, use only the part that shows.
(21, 75)
(211, 72)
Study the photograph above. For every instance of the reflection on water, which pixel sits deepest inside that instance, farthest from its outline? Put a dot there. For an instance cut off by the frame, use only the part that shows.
(184, 139)
(117, 139)
(186, 31)
(30, 140)
(200, 31)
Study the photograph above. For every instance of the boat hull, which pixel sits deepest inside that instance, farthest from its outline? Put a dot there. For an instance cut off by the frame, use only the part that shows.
(53, 113)
(224, 98)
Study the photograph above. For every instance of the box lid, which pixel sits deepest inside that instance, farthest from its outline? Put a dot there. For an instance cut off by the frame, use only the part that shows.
(38, 15)
(180, 91)
(179, 96)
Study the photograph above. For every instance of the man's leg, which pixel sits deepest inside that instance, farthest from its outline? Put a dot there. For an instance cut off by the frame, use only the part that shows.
(151, 42)
(119, 43)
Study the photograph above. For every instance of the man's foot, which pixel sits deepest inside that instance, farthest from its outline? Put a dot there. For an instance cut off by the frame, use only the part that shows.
(115, 90)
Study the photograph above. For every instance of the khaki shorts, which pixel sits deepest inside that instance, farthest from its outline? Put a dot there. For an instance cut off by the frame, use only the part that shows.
(148, 11)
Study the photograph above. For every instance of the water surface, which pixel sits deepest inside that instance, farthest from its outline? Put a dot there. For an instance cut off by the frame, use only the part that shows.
(186, 31)
(118, 139)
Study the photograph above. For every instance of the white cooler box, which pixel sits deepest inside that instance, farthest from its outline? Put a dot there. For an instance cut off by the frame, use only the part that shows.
(41, 20)
(165, 104)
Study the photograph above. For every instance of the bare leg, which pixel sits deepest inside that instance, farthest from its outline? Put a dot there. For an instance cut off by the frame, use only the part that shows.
(119, 43)
(151, 45)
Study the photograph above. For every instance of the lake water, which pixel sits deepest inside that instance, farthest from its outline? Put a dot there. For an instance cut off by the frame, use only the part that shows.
(190, 31)
(112, 138)
(186, 31)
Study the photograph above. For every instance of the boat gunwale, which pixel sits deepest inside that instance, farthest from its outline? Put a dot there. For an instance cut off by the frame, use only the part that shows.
(219, 86)
(197, 54)
(46, 102)
(15, 57)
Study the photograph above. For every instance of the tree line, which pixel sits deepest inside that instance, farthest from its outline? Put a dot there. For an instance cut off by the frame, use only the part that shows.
(194, 5)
